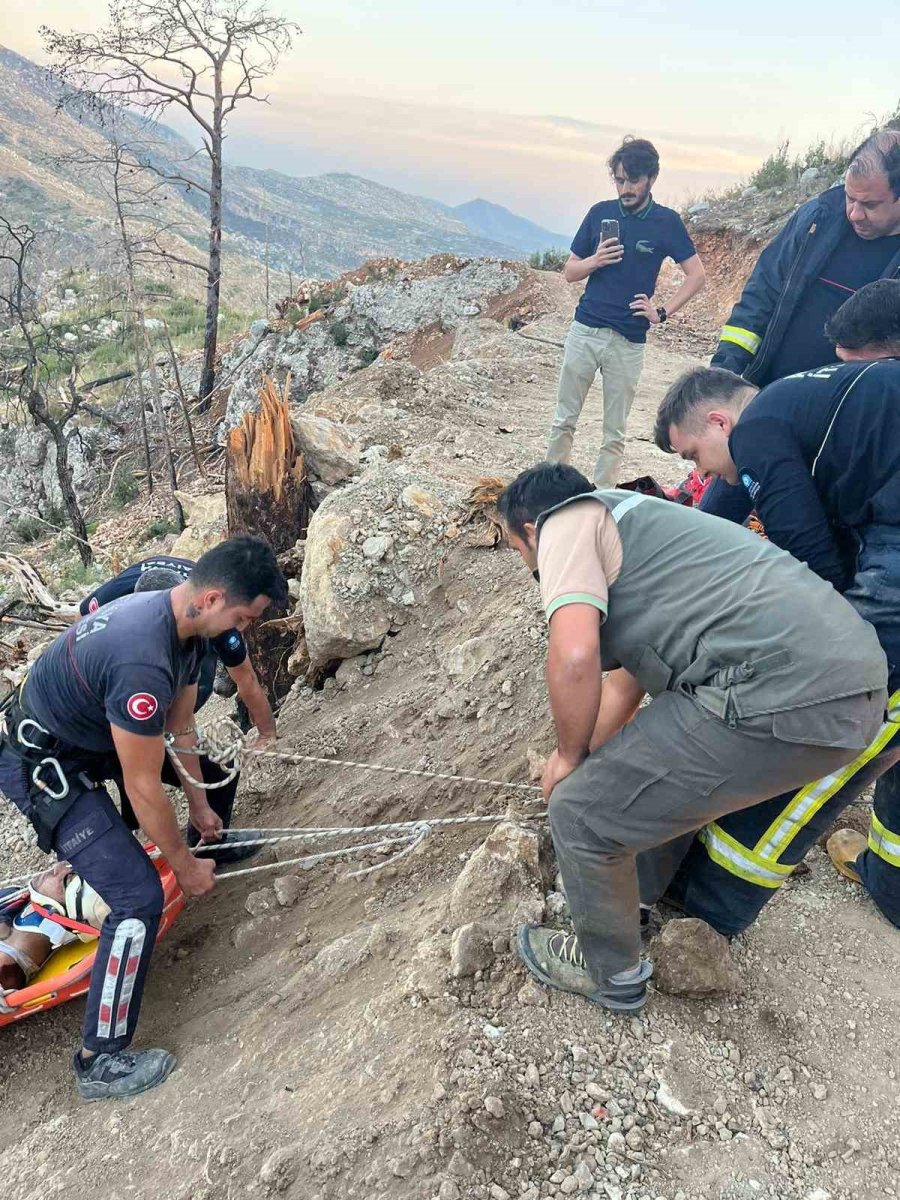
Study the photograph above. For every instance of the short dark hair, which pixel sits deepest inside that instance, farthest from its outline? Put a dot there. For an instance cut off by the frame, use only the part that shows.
(879, 154)
(244, 567)
(158, 579)
(701, 386)
(636, 157)
(536, 490)
(871, 317)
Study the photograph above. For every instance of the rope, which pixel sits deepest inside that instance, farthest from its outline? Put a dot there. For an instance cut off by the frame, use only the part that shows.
(223, 742)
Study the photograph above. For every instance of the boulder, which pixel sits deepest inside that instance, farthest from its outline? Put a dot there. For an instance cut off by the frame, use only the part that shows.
(502, 883)
(206, 524)
(341, 617)
(691, 959)
(329, 451)
(369, 559)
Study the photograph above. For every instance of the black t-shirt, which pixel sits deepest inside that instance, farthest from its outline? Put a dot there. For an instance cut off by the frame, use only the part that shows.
(649, 238)
(819, 455)
(229, 647)
(123, 665)
(854, 262)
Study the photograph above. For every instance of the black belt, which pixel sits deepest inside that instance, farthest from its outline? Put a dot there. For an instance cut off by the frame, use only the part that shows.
(52, 767)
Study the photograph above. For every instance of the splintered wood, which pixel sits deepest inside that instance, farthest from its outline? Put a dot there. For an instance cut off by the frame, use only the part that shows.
(268, 494)
(261, 450)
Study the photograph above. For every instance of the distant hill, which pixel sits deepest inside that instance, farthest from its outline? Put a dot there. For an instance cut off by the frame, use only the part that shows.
(495, 221)
(318, 226)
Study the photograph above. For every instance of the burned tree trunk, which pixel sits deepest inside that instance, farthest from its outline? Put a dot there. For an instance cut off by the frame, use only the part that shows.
(268, 494)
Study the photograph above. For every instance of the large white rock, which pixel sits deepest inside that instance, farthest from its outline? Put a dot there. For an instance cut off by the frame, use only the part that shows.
(329, 451)
(372, 554)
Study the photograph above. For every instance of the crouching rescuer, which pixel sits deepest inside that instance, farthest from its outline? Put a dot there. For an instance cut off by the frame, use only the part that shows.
(97, 704)
(761, 677)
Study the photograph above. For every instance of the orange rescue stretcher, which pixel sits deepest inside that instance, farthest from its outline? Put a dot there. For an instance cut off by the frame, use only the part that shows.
(67, 972)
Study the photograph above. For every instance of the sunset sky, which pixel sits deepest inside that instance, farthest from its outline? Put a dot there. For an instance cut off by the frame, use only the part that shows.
(520, 101)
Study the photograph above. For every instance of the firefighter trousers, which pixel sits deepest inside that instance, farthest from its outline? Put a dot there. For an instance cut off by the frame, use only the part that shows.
(736, 864)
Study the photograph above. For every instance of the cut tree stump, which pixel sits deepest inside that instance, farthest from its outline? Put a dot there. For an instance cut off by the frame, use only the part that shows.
(267, 494)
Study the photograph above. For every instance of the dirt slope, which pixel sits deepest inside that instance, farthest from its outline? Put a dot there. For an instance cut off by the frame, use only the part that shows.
(326, 1052)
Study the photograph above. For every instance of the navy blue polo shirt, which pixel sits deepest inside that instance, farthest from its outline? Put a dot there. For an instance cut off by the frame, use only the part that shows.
(122, 665)
(649, 237)
(229, 647)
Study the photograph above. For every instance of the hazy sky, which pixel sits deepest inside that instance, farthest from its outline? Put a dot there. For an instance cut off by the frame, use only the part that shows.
(520, 101)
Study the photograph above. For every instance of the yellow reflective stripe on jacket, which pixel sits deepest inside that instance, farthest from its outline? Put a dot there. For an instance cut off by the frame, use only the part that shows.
(884, 843)
(745, 338)
(738, 860)
(807, 802)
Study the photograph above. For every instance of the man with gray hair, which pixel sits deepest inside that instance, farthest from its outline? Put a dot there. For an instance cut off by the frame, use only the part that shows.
(832, 246)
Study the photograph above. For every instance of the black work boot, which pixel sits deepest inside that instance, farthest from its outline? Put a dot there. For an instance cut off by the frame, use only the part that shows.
(117, 1076)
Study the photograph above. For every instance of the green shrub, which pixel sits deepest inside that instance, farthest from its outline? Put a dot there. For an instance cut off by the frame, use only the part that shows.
(125, 488)
(548, 260)
(367, 355)
(29, 529)
(338, 331)
(158, 528)
(775, 171)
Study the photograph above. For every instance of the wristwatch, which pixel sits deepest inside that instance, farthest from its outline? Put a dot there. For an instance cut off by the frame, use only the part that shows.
(662, 314)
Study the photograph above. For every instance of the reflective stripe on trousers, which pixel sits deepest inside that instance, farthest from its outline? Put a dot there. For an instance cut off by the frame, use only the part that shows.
(760, 865)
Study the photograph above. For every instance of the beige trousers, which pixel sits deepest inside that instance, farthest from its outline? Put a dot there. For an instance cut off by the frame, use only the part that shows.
(619, 362)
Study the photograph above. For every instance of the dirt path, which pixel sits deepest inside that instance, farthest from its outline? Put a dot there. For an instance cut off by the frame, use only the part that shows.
(326, 1053)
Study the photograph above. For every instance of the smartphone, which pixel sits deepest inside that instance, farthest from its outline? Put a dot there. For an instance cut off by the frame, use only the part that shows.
(609, 229)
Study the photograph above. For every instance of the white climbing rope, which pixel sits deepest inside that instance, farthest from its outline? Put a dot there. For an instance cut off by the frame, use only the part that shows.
(224, 743)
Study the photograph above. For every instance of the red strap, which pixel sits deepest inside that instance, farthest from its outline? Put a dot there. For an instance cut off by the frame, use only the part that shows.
(66, 922)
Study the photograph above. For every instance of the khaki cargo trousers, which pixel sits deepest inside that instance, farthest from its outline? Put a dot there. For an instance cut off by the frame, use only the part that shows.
(629, 812)
(619, 362)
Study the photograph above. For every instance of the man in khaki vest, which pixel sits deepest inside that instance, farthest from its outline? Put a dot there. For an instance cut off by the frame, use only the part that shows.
(761, 675)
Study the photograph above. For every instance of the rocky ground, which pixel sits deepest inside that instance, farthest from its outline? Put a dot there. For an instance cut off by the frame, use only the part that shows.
(375, 1036)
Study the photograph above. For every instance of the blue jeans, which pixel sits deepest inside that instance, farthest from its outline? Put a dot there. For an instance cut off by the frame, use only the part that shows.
(95, 840)
(728, 890)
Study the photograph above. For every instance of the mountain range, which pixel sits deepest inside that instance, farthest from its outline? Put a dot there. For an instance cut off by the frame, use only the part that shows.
(316, 226)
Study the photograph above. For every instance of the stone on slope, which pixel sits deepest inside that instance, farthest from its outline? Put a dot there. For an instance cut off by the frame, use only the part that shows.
(691, 959)
(501, 884)
(330, 452)
(471, 950)
(351, 593)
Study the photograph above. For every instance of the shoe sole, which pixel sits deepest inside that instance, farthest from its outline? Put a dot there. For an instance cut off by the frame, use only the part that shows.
(845, 869)
(125, 1095)
(600, 998)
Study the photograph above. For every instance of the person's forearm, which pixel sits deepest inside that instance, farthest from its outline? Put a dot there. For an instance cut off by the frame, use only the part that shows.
(157, 819)
(574, 272)
(258, 705)
(691, 286)
(574, 681)
(619, 700)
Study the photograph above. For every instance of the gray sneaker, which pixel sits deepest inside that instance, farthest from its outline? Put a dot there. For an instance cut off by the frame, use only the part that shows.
(552, 956)
(117, 1076)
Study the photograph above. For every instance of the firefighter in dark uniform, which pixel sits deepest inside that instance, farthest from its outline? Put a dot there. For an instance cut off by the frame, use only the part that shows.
(164, 571)
(818, 455)
(112, 687)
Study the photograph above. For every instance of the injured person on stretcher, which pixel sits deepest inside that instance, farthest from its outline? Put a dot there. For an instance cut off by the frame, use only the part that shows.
(56, 908)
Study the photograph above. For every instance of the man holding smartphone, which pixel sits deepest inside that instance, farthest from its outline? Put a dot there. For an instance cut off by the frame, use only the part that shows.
(619, 250)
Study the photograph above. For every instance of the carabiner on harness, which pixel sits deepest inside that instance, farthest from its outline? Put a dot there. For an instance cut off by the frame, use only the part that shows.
(60, 775)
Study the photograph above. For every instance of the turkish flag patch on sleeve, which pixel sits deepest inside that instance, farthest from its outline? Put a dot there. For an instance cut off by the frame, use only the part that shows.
(141, 706)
